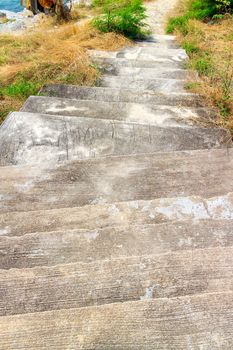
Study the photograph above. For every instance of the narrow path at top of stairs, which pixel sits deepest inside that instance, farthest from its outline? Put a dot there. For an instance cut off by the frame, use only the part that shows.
(116, 210)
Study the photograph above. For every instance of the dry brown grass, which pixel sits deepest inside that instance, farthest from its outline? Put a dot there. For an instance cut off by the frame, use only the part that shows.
(215, 43)
(51, 54)
(213, 59)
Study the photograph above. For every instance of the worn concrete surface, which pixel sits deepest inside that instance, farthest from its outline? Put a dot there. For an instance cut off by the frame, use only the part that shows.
(69, 246)
(149, 234)
(116, 178)
(137, 212)
(160, 115)
(199, 321)
(123, 95)
(61, 138)
(113, 280)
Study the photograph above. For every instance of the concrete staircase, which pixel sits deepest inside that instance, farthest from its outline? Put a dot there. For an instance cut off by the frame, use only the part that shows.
(116, 222)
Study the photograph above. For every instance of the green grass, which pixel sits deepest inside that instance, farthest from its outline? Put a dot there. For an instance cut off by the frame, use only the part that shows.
(190, 47)
(126, 17)
(20, 88)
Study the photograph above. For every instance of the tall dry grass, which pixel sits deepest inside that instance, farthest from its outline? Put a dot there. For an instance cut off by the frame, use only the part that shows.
(50, 54)
(209, 44)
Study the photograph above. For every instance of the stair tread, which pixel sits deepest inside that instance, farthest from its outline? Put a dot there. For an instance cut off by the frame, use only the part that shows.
(116, 178)
(200, 320)
(161, 63)
(161, 85)
(116, 280)
(146, 53)
(123, 95)
(111, 71)
(95, 216)
(68, 246)
(28, 138)
(128, 112)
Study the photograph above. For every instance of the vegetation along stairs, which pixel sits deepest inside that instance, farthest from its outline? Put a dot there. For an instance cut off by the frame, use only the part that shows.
(116, 223)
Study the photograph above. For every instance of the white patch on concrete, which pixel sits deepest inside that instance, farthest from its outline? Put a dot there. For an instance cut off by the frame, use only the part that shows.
(37, 252)
(181, 208)
(91, 236)
(4, 197)
(185, 242)
(99, 200)
(113, 210)
(139, 113)
(54, 108)
(83, 152)
(24, 187)
(220, 207)
(146, 207)
(5, 231)
(148, 294)
(133, 204)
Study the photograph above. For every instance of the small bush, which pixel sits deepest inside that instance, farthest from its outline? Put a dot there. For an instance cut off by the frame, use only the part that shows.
(203, 65)
(124, 17)
(178, 22)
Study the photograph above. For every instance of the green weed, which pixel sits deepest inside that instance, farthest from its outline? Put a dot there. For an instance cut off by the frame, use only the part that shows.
(20, 88)
(190, 47)
(126, 17)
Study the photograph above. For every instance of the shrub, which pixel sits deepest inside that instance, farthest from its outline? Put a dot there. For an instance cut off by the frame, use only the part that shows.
(178, 22)
(124, 17)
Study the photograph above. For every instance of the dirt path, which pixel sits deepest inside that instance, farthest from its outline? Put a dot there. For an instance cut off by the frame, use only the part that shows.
(157, 12)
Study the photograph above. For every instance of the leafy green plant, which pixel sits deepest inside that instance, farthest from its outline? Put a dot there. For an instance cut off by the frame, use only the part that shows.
(20, 88)
(125, 17)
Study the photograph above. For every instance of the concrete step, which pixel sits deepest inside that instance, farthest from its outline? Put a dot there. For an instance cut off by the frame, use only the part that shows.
(28, 138)
(144, 54)
(116, 280)
(122, 95)
(158, 43)
(92, 217)
(128, 112)
(69, 246)
(198, 321)
(131, 73)
(160, 85)
(160, 63)
(159, 38)
(150, 53)
(116, 178)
